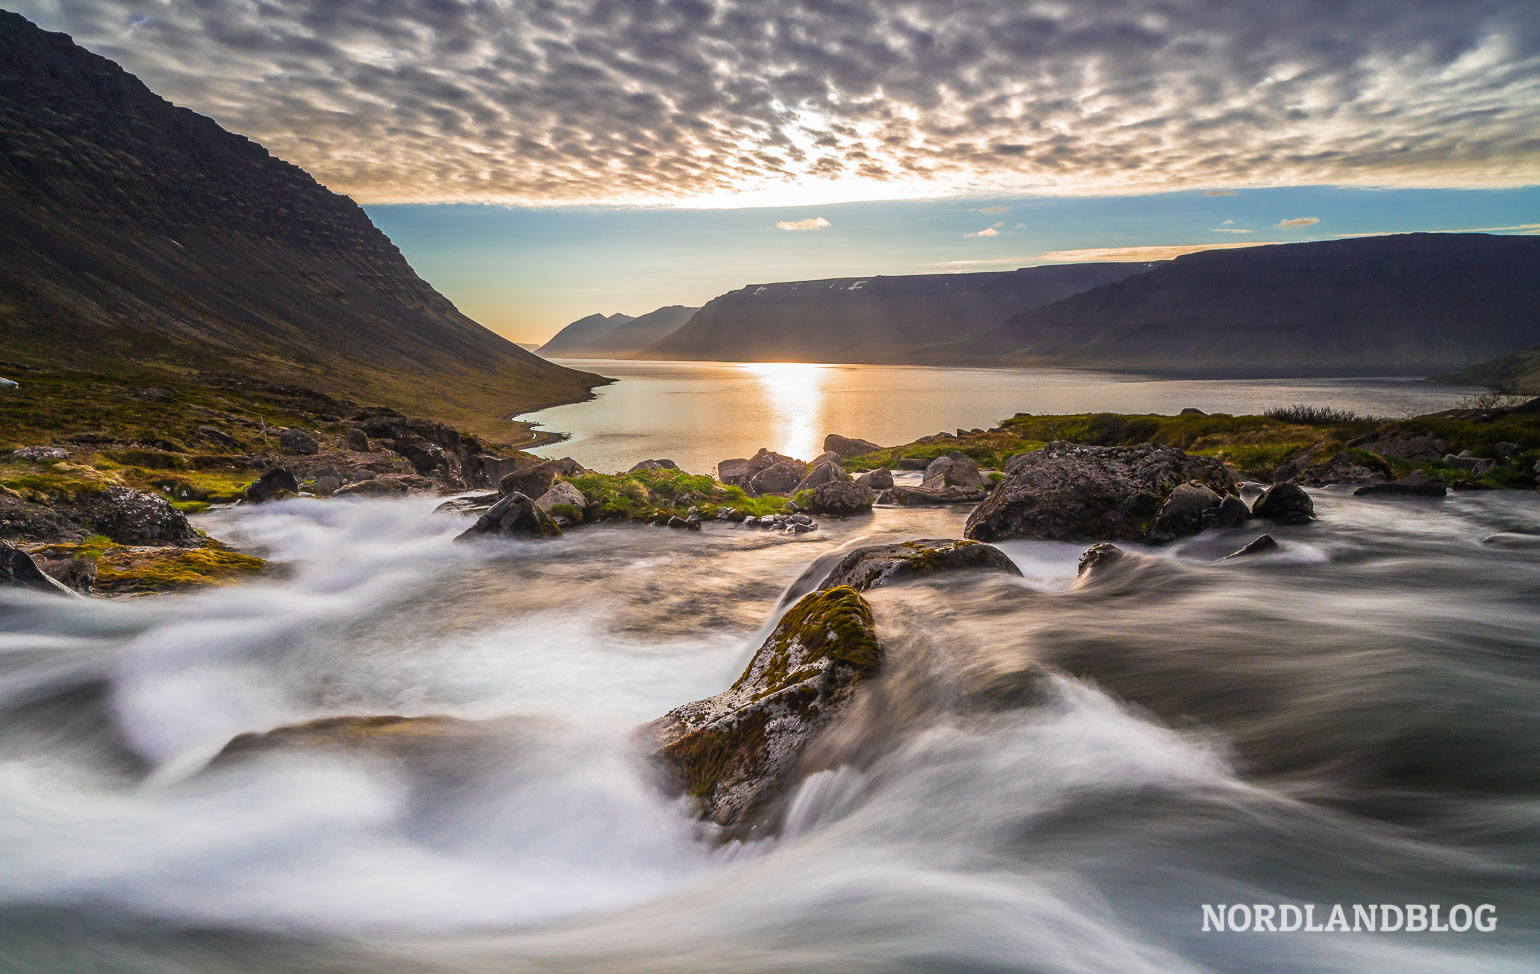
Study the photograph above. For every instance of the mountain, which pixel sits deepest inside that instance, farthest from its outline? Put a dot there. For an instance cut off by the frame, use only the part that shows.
(137, 234)
(906, 319)
(1516, 372)
(1411, 304)
(576, 338)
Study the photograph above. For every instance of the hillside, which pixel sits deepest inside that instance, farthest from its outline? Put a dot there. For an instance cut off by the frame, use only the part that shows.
(1411, 304)
(879, 319)
(1517, 372)
(575, 339)
(135, 233)
(615, 336)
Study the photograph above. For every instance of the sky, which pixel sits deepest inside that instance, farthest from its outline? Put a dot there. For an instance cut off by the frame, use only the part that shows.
(538, 160)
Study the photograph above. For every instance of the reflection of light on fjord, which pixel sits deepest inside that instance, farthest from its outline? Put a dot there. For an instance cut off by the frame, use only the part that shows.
(794, 393)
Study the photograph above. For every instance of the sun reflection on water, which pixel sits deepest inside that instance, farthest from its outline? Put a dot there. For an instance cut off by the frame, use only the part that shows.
(793, 393)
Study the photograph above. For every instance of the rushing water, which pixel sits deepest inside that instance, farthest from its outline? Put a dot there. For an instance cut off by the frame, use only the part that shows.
(697, 413)
(1047, 776)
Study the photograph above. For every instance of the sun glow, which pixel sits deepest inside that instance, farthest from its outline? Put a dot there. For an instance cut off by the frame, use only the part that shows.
(794, 396)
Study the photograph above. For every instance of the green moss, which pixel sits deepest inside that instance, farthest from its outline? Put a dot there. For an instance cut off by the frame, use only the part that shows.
(704, 758)
(642, 495)
(191, 507)
(58, 481)
(835, 624)
(131, 570)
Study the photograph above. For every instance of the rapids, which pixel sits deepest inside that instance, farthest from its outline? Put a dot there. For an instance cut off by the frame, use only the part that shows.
(1048, 775)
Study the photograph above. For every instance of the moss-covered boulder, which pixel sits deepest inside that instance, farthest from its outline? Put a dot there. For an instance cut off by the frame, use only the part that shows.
(872, 566)
(100, 566)
(737, 752)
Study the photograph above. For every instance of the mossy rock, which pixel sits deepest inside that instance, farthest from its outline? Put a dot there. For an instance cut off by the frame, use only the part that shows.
(123, 570)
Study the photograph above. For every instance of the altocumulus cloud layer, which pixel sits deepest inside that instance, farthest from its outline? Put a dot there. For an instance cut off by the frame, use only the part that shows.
(615, 101)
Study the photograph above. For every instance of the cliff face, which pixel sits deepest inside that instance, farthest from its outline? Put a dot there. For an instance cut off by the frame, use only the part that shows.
(136, 232)
(1408, 304)
(920, 319)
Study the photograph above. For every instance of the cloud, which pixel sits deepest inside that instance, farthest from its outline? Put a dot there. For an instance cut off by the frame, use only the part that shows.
(990, 210)
(1298, 221)
(682, 101)
(808, 223)
(1148, 252)
(993, 230)
(1220, 192)
(1231, 230)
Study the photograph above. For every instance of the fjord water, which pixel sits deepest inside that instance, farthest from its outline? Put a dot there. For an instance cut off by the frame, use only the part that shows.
(697, 413)
(1047, 776)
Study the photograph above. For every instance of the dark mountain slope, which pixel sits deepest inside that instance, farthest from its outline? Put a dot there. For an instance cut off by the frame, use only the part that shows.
(136, 233)
(877, 319)
(1409, 304)
(576, 339)
(637, 335)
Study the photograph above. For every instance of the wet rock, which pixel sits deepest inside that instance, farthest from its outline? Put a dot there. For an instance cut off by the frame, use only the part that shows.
(562, 493)
(271, 484)
(1183, 512)
(383, 733)
(780, 477)
(736, 753)
(654, 465)
(913, 463)
(515, 515)
(1262, 544)
(357, 441)
(1285, 504)
(1098, 555)
(473, 504)
(921, 496)
(1067, 491)
(953, 470)
(18, 570)
(847, 446)
(389, 485)
(1232, 512)
(1513, 539)
(681, 523)
(873, 566)
(879, 479)
(823, 472)
(1417, 484)
(298, 442)
(841, 498)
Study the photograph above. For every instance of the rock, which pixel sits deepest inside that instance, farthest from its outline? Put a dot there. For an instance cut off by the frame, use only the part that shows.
(136, 517)
(847, 446)
(682, 523)
(1183, 512)
(1308, 467)
(474, 504)
(357, 441)
(1232, 512)
(388, 733)
(514, 514)
(1257, 547)
(1461, 461)
(735, 473)
(654, 465)
(872, 566)
(271, 484)
(1404, 446)
(1066, 491)
(736, 753)
(532, 481)
(918, 496)
(824, 472)
(1098, 555)
(7, 384)
(780, 477)
(1483, 467)
(841, 498)
(298, 442)
(562, 493)
(1417, 484)
(486, 470)
(18, 570)
(953, 470)
(1505, 450)
(913, 463)
(1192, 411)
(390, 485)
(765, 459)
(1513, 539)
(326, 485)
(219, 437)
(879, 479)
(39, 454)
(1285, 504)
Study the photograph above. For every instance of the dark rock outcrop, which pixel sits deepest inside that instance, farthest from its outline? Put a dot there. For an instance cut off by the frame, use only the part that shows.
(136, 517)
(17, 570)
(872, 566)
(780, 477)
(1232, 512)
(879, 479)
(736, 753)
(1413, 485)
(537, 479)
(298, 441)
(847, 446)
(357, 440)
(1285, 504)
(1069, 492)
(1262, 544)
(1096, 556)
(514, 515)
(1184, 512)
(271, 484)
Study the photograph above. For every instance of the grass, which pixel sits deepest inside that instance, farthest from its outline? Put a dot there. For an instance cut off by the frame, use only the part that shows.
(642, 495)
(124, 570)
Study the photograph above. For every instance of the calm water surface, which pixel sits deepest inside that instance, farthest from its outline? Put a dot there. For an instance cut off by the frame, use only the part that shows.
(698, 413)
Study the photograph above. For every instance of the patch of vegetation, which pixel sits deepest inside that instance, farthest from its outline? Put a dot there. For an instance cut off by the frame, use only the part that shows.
(1301, 414)
(644, 494)
(835, 624)
(135, 570)
(55, 481)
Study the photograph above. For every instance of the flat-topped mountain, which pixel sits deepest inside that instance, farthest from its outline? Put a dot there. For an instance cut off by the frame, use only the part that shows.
(877, 319)
(616, 335)
(1411, 304)
(133, 232)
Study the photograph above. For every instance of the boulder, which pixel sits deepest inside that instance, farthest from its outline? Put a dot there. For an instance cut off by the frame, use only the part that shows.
(847, 446)
(780, 477)
(1310, 468)
(736, 753)
(1067, 491)
(218, 437)
(879, 479)
(136, 517)
(326, 485)
(531, 481)
(1417, 484)
(1096, 556)
(680, 523)
(823, 472)
(1462, 460)
(18, 570)
(1505, 450)
(1262, 544)
(1232, 512)
(562, 493)
(654, 465)
(734, 472)
(953, 470)
(1416, 446)
(357, 441)
(298, 442)
(472, 504)
(1192, 411)
(39, 454)
(514, 514)
(276, 481)
(914, 463)
(388, 485)
(1285, 504)
(841, 498)
(1183, 512)
(872, 566)
(920, 496)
